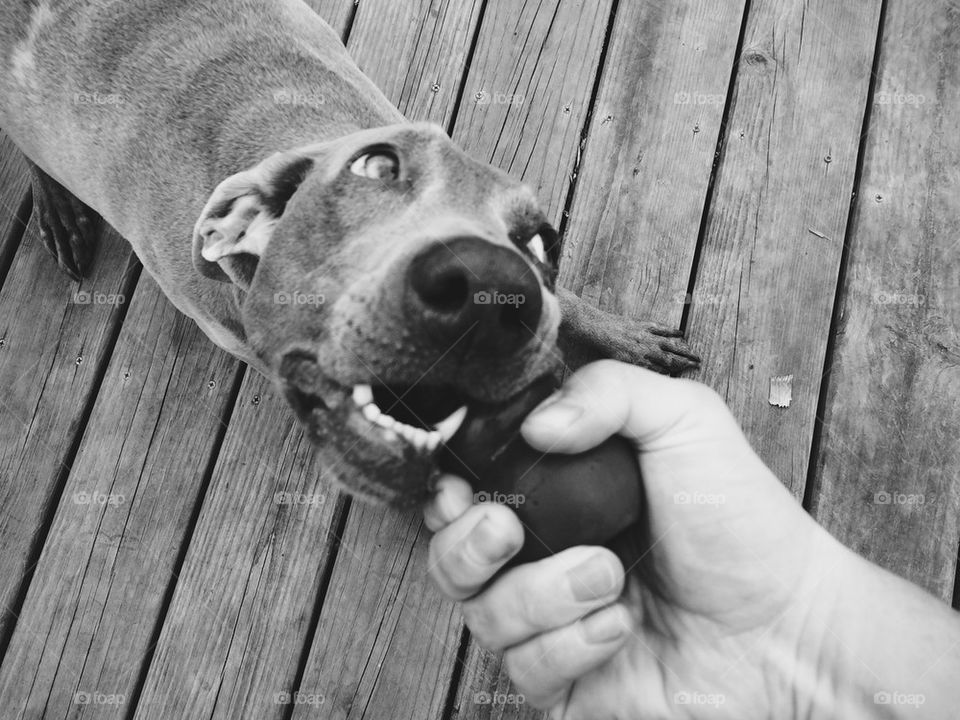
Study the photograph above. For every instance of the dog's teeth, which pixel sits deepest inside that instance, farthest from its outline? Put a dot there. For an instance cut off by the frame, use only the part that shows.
(448, 427)
(371, 412)
(420, 438)
(389, 435)
(362, 395)
(433, 439)
(385, 421)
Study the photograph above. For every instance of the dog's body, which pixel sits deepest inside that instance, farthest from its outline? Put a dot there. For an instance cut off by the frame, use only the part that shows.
(168, 119)
(142, 108)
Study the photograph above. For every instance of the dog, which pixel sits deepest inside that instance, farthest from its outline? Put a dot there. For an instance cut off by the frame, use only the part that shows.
(383, 279)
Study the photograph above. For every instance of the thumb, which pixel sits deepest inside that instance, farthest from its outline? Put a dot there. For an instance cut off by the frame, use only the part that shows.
(609, 397)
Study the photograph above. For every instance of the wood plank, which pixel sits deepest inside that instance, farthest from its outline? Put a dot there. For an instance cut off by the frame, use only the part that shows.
(123, 518)
(52, 351)
(636, 116)
(423, 73)
(241, 657)
(403, 646)
(232, 637)
(639, 199)
(887, 481)
(767, 276)
(527, 94)
(14, 188)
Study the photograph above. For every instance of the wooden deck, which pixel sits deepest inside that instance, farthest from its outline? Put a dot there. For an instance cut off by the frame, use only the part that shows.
(781, 178)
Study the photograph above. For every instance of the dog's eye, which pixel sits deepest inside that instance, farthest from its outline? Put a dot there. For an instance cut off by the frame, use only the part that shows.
(535, 246)
(379, 165)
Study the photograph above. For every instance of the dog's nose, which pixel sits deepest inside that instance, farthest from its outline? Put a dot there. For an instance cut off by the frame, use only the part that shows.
(469, 286)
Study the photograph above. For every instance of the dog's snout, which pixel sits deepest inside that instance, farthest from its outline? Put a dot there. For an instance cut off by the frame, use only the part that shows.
(472, 286)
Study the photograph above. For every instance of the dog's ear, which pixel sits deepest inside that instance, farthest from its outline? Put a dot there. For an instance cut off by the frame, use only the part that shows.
(238, 219)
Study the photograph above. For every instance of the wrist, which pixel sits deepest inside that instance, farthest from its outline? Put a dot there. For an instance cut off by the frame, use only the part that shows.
(867, 644)
(810, 657)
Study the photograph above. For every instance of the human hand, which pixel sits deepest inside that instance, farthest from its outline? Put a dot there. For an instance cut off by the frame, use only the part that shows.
(722, 625)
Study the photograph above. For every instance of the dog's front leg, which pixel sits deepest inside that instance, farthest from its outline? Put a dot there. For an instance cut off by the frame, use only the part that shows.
(68, 228)
(588, 333)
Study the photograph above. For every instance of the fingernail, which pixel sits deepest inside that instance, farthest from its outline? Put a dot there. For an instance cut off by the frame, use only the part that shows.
(555, 412)
(607, 625)
(593, 579)
(489, 543)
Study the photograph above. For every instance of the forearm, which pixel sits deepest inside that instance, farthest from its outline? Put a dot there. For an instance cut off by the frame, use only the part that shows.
(886, 649)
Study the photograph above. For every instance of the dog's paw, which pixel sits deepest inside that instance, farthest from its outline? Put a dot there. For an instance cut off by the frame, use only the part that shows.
(651, 346)
(68, 227)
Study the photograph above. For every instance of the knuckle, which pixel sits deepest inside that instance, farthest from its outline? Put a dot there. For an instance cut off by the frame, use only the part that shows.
(530, 606)
(445, 572)
(478, 616)
(702, 395)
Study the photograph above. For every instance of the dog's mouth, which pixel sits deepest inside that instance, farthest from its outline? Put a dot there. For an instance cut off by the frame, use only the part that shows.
(423, 416)
(414, 418)
(383, 440)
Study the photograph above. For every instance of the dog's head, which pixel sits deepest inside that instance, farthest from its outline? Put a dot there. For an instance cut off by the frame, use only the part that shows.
(388, 280)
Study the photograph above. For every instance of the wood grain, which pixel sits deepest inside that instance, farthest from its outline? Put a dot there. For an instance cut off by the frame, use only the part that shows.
(234, 631)
(387, 642)
(123, 518)
(14, 186)
(53, 347)
(528, 92)
(768, 270)
(888, 475)
(415, 51)
(639, 197)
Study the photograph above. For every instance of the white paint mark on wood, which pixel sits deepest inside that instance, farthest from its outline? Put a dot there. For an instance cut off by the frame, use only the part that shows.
(781, 391)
